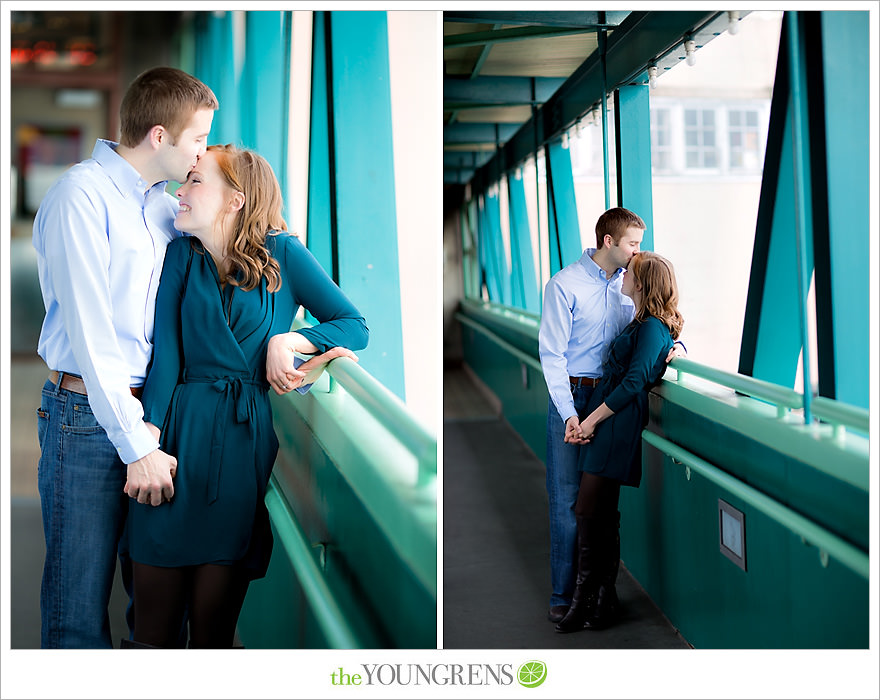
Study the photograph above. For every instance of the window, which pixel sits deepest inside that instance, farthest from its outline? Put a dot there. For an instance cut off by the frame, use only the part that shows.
(661, 140)
(699, 134)
(743, 135)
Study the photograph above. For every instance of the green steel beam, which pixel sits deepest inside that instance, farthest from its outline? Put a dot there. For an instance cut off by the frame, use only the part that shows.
(470, 250)
(321, 215)
(564, 233)
(632, 129)
(771, 339)
(496, 259)
(265, 93)
(215, 48)
(842, 274)
(525, 284)
(801, 174)
(353, 215)
(826, 103)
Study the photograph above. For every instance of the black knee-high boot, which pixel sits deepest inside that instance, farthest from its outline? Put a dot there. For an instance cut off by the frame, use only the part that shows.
(588, 576)
(604, 612)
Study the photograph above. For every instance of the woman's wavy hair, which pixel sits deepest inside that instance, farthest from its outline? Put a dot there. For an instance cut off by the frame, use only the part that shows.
(247, 257)
(659, 290)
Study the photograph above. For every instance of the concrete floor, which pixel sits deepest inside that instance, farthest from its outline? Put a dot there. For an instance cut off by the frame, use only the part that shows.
(496, 581)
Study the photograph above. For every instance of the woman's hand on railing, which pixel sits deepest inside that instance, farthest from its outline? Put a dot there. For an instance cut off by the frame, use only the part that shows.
(309, 371)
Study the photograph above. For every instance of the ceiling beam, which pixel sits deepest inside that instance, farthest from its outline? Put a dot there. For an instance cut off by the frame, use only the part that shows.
(471, 132)
(498, 90)
(498, 36)
(643, 39)
(542, 19)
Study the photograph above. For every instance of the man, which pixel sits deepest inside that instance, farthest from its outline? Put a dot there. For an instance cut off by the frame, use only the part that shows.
(100, 235)
(584, 310)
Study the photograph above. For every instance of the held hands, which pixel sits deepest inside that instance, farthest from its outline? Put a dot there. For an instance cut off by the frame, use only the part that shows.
(577, 433)
(150, 479)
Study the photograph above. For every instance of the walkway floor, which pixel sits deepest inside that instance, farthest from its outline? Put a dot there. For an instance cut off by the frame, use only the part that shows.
(496, 582)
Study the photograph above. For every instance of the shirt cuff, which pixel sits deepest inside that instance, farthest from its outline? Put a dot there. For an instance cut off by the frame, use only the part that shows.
(137, 444)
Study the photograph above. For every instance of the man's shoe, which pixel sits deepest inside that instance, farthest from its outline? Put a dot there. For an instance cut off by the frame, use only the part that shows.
(557, 612)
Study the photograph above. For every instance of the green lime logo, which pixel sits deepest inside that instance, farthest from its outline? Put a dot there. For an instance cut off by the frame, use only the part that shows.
(531, 674)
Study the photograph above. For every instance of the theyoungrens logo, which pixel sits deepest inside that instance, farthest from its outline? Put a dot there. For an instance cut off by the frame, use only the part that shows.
(531, 674)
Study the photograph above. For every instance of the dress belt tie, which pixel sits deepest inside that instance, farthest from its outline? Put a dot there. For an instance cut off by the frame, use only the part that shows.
(236, 403)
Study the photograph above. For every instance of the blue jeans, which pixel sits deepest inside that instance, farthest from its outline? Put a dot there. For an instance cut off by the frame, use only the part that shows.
(563, 482)
(80, 480)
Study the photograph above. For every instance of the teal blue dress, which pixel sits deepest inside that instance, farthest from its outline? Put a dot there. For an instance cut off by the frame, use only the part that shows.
(636, 362)
(207, 392)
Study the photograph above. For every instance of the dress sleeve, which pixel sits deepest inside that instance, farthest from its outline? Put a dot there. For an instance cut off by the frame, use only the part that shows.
(164, 372)
(340, 324)
(652, 344)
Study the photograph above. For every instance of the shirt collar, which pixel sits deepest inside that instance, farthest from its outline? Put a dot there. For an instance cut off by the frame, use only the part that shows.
(593, 270)
(121, 172)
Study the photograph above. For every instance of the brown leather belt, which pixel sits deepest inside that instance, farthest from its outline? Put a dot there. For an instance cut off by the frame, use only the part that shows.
(584, 381)
(75, 384)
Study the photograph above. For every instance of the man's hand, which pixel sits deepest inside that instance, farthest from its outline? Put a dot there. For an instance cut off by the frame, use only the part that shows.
(573, 431)
(150, 479)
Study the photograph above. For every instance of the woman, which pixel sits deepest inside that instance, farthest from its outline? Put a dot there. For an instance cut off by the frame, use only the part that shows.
(616, 415)
(234, 283)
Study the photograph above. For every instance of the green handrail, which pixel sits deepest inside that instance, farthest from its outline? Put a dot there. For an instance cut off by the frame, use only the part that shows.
(848, 555)
(323, 605)
(509, 316)
(756, 388)
(500, 342)
(389, 410)
(841, 414)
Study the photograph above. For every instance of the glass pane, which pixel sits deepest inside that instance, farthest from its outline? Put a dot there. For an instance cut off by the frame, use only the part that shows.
(713, 323)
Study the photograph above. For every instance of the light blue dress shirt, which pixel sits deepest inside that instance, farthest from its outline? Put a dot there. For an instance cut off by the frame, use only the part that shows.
(100, 236)
(584, 310)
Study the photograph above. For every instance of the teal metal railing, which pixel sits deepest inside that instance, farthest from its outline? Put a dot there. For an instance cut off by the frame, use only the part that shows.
(523, 357)
(840, 415)
(389, 410)
(293, 541)
(828, 543)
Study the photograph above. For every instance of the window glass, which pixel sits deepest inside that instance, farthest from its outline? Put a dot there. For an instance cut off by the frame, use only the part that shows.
(709, 128)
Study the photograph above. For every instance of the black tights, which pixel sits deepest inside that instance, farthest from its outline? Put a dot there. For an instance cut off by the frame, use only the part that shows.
(598, 497)
(210, 594)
